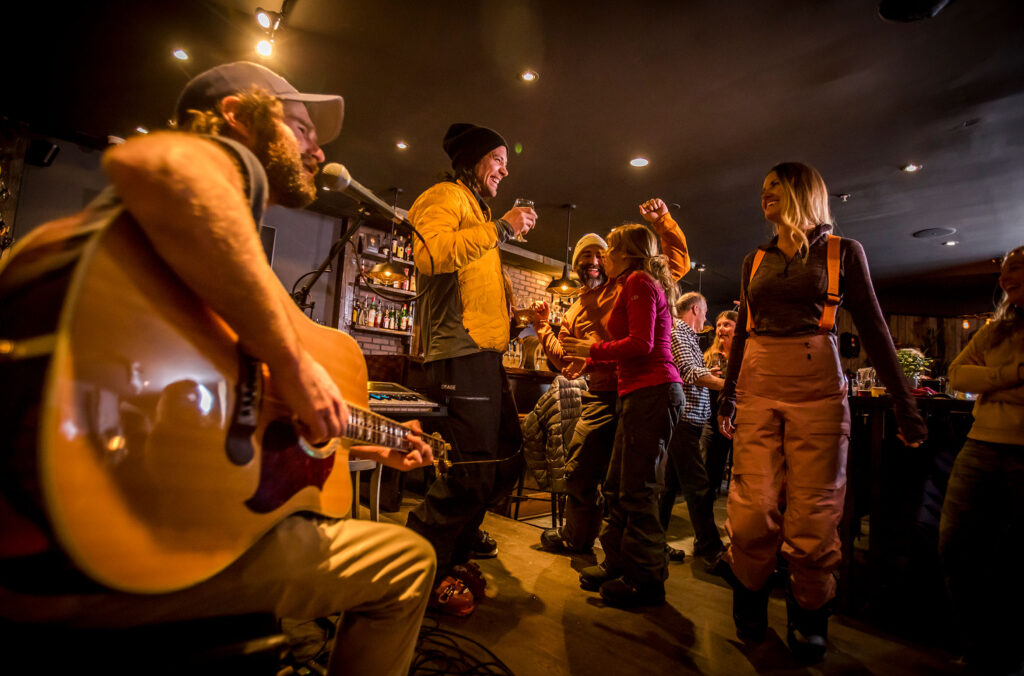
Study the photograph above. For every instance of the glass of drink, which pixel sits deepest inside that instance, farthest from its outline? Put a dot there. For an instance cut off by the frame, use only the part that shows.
(523, 316)
(522, 202)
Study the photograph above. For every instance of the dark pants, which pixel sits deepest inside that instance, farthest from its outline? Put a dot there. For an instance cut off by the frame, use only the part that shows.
(482, 424)
(589, 452)
(632, 537)
(687, 476)
(715, 449)
(981, 542)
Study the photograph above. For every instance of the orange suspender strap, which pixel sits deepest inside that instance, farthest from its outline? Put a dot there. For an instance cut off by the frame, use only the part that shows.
(753, 268)
(832, 298)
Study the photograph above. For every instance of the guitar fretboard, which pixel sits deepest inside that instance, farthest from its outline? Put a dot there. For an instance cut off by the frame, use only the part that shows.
(372, 428)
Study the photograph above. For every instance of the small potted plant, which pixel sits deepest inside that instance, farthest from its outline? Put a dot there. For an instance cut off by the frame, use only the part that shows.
(913, 362)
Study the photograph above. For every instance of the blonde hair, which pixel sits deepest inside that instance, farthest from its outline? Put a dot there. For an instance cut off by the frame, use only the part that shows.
(638, 243)
(805, 200)
(716, 344)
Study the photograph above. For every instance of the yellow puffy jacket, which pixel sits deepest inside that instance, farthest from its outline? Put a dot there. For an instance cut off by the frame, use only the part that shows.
(463, 309)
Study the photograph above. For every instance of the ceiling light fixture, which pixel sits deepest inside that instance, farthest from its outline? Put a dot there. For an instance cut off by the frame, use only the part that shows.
(181, 55)
(401, 145)
(142, 130)
(268, 21)
(565, 286)
(911, 167)
(950, 242)
(966, 324)
(639, 162)
(265, 48)
(529, 76)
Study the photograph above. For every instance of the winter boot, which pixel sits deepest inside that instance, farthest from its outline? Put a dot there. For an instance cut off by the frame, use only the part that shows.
(807, 631)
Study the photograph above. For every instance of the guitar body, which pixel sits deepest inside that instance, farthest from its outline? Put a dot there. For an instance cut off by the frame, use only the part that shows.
(162, 453)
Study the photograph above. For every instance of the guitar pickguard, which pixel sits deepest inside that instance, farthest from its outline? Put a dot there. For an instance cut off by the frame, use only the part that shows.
(285, 468)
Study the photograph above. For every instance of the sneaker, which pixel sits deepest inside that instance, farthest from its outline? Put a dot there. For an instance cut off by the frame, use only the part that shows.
(551, 541)
(470, 575)
(452, 597)
(675, 555)
(622, 593)
(592, 577)
(485, 547)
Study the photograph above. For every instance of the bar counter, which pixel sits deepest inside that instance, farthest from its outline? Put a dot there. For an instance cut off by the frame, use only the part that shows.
(900, 490)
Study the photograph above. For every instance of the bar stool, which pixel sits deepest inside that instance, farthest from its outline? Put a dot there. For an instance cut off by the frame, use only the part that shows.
(355, 466)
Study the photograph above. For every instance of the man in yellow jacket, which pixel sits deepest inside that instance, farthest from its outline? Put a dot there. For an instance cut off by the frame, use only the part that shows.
(463, 318)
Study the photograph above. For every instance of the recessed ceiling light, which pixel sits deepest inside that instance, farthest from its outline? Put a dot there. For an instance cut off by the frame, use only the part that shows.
(911, 168)
(265, 48)
(401, 145)
(142, 130)
(950, 242)
(181, 54)
(529, 76)
(639, 162)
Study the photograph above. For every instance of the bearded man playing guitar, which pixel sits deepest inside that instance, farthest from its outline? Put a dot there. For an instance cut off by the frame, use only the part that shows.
(188, 205)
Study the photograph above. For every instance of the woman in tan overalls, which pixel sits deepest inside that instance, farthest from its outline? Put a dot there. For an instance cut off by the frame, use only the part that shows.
(792, 420)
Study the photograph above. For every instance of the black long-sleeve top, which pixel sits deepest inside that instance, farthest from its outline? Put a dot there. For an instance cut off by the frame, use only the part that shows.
(788, 297)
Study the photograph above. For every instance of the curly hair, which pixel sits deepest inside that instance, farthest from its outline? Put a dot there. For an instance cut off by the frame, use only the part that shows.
(257, 109)
(638, 244)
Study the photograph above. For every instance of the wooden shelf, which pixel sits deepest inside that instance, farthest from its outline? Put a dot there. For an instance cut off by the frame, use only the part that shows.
(381, 257)
(387, 289)
(386, 332)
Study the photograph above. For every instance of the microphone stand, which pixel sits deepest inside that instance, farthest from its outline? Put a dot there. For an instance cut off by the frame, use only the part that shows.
(301, 297)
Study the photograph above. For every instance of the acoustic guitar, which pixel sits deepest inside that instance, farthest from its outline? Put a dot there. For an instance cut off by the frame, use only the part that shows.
(152, 450)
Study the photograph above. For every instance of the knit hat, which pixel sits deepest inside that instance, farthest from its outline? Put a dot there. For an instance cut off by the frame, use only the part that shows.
(586, 240)
(206, 89)
(466, 143)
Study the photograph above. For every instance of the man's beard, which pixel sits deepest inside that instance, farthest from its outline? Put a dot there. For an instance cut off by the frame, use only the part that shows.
(290, 184)
(591, 281)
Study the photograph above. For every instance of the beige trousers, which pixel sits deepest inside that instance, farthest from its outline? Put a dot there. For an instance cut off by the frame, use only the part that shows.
(790, 446)
(378, 575)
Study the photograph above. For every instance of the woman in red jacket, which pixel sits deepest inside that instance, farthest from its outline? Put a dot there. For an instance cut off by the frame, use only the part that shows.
(650, 403)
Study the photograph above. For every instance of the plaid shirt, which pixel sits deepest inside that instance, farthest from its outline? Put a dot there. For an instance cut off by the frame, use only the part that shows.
(690, 362)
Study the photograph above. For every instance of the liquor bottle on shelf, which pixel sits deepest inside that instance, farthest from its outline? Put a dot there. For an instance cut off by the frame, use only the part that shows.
(394, 246)
(408, 248)
(412, 281)
(387, 318)
(355, 311)
(403, 322)
(405, 282)
(371, 314)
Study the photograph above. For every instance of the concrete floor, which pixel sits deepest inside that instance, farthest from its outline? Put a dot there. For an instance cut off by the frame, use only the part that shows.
(536, 620)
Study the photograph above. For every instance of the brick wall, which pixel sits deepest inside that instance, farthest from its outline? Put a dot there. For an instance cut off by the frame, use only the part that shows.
(528, 285)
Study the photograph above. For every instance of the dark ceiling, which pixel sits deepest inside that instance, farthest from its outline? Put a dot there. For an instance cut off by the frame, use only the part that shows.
(713, 93)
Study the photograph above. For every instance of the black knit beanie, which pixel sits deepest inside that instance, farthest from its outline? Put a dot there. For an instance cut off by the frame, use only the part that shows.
(466, 143)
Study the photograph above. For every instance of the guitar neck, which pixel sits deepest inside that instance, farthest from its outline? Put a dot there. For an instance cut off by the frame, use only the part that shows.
(372, 428)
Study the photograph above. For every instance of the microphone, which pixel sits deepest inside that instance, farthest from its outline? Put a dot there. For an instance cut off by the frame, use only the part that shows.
(334, 177)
